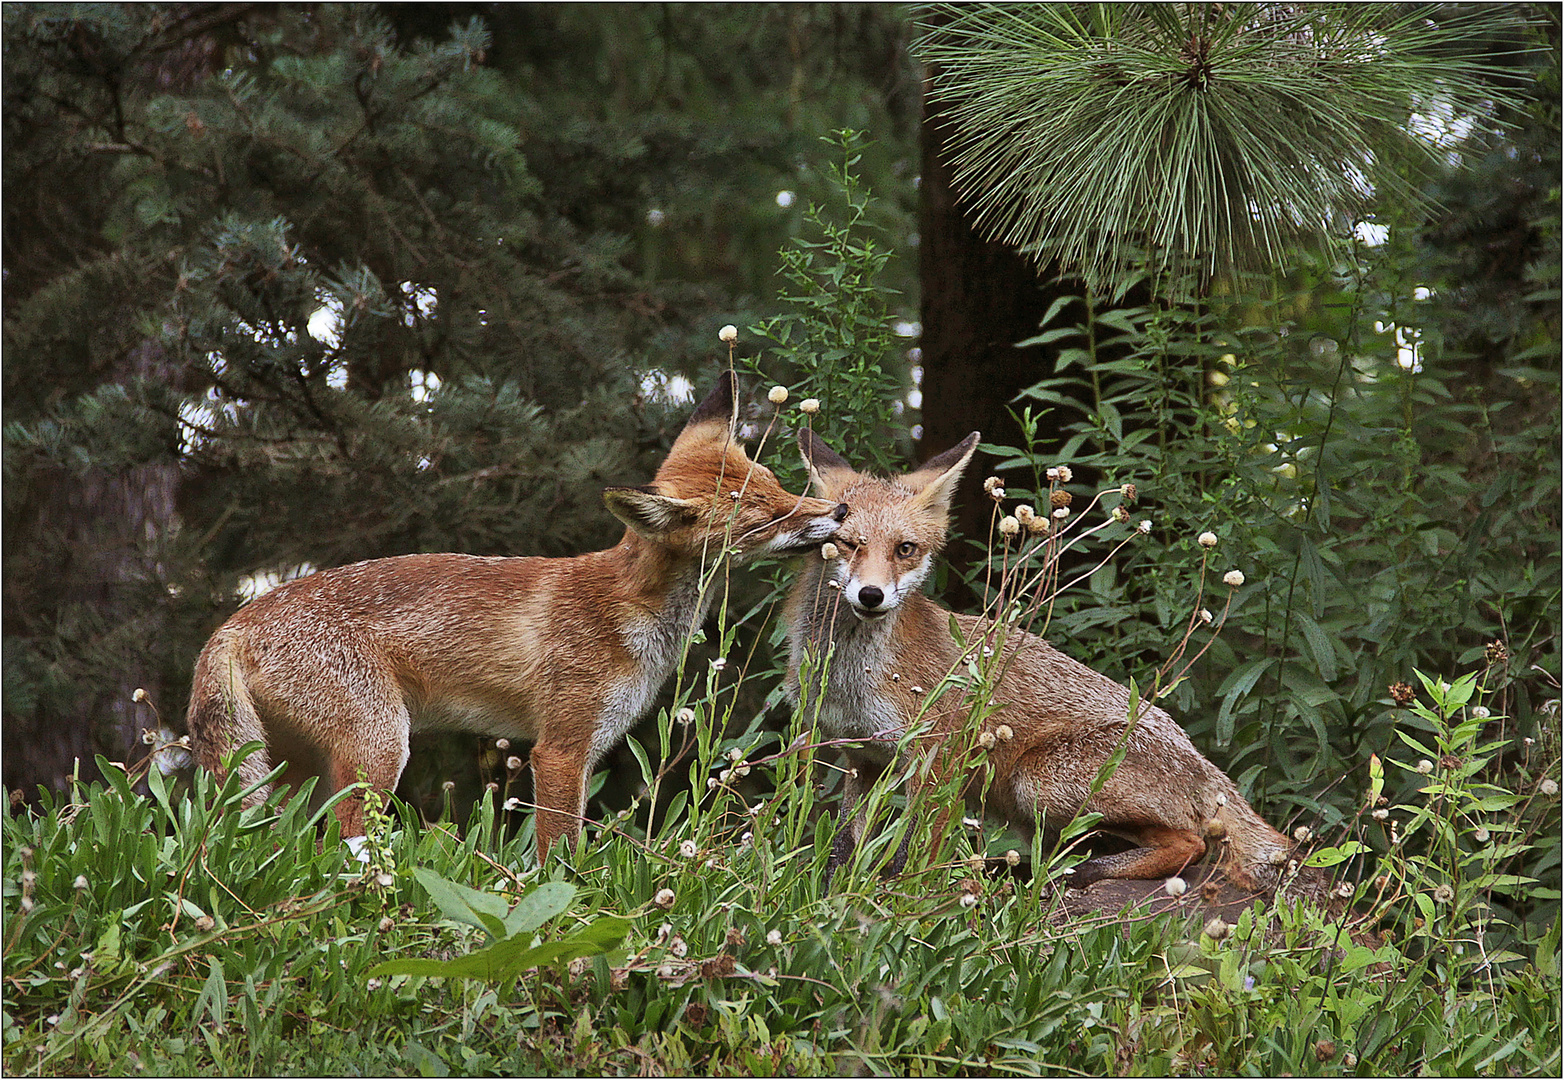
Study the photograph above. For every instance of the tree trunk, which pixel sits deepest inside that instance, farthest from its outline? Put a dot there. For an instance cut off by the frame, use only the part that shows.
(979, 299)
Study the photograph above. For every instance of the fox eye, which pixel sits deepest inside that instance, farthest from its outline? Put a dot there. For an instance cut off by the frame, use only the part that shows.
(906, 549)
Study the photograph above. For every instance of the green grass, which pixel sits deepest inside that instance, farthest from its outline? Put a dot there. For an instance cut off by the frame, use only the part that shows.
(178, 934)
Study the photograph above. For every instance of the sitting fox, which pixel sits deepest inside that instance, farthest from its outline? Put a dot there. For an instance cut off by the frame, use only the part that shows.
(893, 647)
(334, 671)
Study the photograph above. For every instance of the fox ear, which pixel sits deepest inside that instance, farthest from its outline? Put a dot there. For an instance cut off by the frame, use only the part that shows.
(935, 482)
(828, 469)
(647, 513)
(719, 404)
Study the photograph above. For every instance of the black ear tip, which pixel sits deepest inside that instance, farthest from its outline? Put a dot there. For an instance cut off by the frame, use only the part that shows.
(718, 404)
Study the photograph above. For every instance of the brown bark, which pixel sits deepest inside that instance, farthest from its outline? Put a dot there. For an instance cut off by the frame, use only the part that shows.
(979, 299)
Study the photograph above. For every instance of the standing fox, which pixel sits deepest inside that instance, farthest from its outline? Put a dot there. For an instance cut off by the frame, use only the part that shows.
(893, 647)
(334, 671)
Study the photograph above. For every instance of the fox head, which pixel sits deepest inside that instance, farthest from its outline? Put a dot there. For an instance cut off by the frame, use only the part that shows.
(895, 527)
(708, 491)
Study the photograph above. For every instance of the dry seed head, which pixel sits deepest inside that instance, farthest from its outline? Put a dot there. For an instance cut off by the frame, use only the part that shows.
(688, 849)
(1233, 578)
(1057, 499)
(139, 695)
(828, 551)
(809, 406)
(1425, 766)
(1013, 857)
(664, 898)
(773, 937)
(1005, 732)
(1548, 787)
(969, 900)
(1207, 539)
(778, 395)
(502, 744)
(987, 740)
(1402, 693)
(1175, 886)
(1205, 616)
(1120, 514)
(1303, 834)
(1062, 513)
(1444, 894)
(1217, 929)
(1380, 814)
(1009, 526)
(994, 487)
(1128, 491)
(513, 763)
(685, 715)
(1481, 712)
(729, 333)
(1144, 526)
(1025, 515)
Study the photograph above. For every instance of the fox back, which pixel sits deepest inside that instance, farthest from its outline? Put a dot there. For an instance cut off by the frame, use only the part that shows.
(335, 671)
(1055, 723)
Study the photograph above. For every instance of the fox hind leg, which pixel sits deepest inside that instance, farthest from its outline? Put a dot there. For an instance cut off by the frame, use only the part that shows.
(1164, 852)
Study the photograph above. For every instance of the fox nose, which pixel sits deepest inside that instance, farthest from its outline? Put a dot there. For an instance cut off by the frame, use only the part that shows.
(870, 596)
(840, 513)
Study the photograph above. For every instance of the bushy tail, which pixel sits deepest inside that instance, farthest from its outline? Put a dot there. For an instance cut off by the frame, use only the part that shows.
(1261, 857)
(222, 716)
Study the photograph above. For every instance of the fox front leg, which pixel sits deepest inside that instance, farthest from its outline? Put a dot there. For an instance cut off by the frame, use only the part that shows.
(559, 790)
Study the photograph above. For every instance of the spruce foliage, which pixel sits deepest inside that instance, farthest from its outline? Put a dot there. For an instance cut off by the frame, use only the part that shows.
(292, 287)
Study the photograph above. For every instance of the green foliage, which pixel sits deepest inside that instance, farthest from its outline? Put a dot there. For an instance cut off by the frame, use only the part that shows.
(1102, 135)
(835, 342)
(1385, 519)
(199, 936)
(293, 287)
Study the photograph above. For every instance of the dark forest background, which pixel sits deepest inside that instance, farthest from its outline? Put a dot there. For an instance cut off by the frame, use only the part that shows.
(289, 286)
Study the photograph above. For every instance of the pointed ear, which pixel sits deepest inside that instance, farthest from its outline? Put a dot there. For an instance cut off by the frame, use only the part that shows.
(649, 514)
(935, 482)
(719, 404)
(827, 469)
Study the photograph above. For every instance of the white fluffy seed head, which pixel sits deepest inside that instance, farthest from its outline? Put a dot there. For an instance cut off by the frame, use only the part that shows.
(1207, 539)
(729, 333)
(809, 405)
(777, 395)
(664, 898)
(1233, 578)
(1175, 886)
(828, 551)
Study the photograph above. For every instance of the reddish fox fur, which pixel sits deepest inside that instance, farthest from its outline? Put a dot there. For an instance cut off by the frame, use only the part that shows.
(893, 647)
(333, 672)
